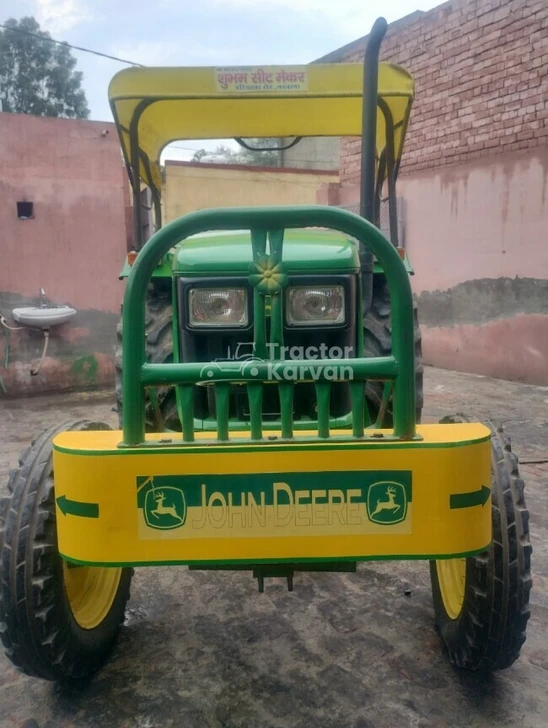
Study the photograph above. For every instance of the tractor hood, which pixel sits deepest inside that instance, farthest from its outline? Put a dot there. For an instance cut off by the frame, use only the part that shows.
(229, 253)
(310, 250)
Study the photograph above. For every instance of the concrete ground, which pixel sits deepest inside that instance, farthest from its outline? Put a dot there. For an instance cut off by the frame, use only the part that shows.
(205, 650)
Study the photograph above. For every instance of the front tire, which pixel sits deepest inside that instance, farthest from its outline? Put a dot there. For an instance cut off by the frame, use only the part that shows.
(57, 621)
(482, 602)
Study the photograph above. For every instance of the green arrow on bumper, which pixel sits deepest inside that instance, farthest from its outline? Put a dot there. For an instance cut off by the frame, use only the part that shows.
(468, 500)
(77, 508)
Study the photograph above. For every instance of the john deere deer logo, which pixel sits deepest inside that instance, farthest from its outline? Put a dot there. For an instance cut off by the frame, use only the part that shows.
(165, 508)
(386, 503)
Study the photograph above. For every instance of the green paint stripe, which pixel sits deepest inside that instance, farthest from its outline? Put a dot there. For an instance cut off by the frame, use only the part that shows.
(77, 508)
(469, 500)
(297, 559)
(269, 447)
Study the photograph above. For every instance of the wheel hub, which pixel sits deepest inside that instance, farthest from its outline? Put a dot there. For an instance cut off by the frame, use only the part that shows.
(452, 581)
(90, 591)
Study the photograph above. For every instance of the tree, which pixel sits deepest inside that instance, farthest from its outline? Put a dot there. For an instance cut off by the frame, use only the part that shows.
(242, 155)
(37, 76)
(197, 157)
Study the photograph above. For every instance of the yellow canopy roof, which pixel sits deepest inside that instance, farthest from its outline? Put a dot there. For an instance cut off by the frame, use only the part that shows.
(161, 105)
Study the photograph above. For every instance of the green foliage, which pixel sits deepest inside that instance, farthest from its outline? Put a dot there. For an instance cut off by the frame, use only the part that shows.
(38, 77)
(244, 156)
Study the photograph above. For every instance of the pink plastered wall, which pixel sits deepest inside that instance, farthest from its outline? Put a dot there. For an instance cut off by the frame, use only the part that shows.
(485, 219)
(476, 235)
(73, 173)
(73, 248)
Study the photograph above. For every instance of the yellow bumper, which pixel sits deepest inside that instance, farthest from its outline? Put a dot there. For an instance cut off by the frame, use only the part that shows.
(273, 502)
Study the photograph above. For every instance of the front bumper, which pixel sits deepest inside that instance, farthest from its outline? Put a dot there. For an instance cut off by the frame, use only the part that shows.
(246, 502)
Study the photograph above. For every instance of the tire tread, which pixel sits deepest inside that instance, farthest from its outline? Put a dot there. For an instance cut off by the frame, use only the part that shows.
(378, 342)
(34, 629)
(492, 627)
(159, 344)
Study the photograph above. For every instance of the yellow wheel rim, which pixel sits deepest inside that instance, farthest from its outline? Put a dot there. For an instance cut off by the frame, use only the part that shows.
(452, 580)
(90, 591)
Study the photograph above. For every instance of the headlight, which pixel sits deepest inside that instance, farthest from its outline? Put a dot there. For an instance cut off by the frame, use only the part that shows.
(315, 306)
(218, 307)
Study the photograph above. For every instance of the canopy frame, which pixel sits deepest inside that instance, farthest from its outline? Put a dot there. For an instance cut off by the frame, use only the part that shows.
(377, 164)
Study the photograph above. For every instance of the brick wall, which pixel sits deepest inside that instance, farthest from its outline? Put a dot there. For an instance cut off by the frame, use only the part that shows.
(481, 72)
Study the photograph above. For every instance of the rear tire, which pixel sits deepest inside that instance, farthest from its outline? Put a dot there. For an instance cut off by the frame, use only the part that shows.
(159, 342)
(57, 622)
(377, 337)
(483, 621)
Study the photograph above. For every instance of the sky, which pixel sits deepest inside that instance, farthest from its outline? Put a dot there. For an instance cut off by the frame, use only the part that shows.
(201, 33)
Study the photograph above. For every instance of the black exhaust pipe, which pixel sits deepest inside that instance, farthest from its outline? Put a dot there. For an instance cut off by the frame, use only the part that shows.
(368, 207)
(369, 119)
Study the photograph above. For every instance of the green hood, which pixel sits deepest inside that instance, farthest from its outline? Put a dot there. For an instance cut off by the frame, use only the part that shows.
(229, 253)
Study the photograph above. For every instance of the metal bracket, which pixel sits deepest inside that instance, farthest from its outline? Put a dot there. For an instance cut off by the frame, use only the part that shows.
(287, 570)
(274, 570)
(262, 571)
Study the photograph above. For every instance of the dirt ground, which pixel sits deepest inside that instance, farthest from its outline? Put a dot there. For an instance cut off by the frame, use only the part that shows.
(206, 650)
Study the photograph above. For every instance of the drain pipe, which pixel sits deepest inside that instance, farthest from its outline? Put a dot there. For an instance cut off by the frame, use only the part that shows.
(34, 371)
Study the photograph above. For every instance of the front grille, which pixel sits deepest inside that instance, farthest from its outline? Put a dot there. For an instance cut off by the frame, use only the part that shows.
(223, 344)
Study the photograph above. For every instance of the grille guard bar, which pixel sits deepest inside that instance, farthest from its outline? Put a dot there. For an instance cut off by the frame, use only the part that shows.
(271, 221)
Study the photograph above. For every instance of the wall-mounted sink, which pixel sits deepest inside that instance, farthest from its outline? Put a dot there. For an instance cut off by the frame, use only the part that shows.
(43, 317)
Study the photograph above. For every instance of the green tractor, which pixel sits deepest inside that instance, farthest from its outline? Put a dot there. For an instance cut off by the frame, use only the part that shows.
(271, 386)
(209, 272)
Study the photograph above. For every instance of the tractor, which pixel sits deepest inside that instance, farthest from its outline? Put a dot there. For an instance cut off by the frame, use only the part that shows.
(270, 394)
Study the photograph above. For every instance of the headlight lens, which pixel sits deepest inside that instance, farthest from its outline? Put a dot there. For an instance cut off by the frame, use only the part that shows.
(315, 306)
(218, 307)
